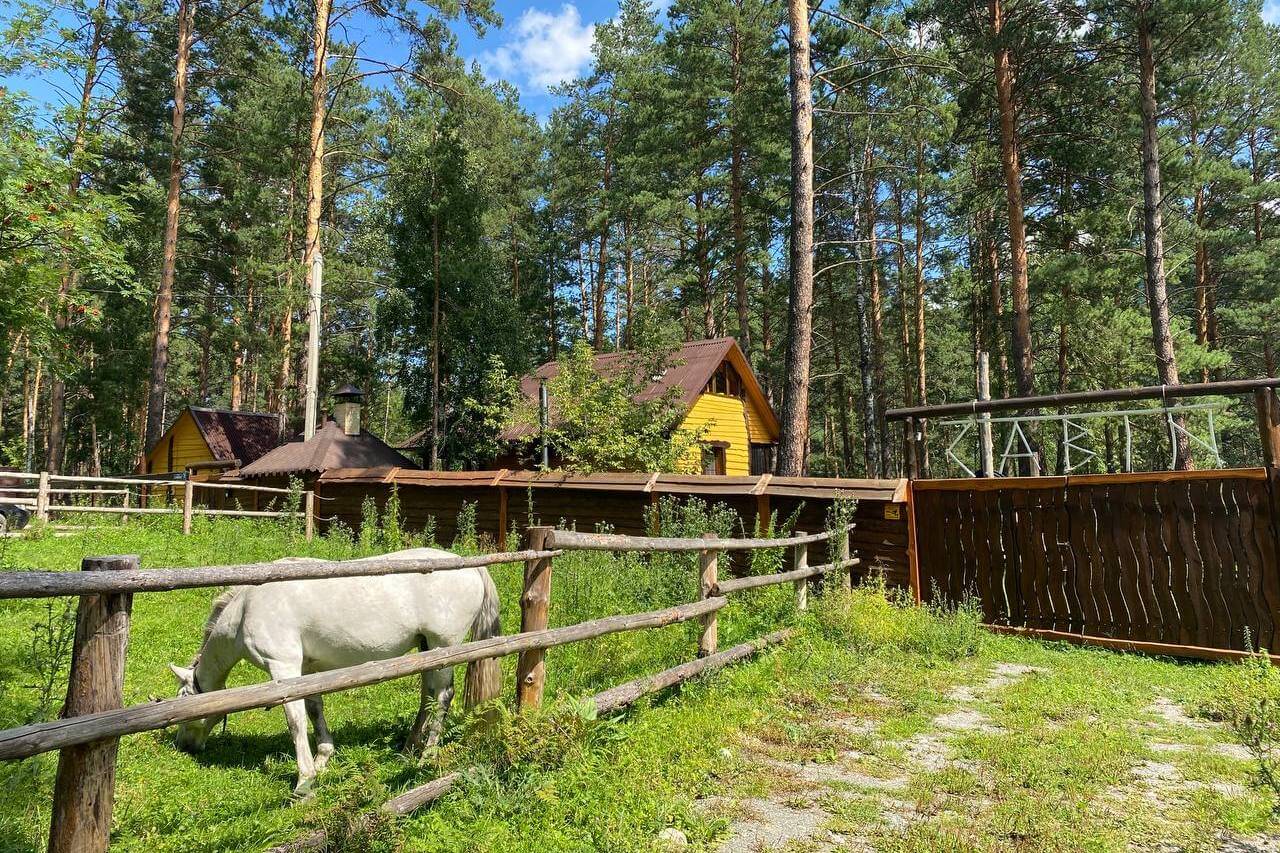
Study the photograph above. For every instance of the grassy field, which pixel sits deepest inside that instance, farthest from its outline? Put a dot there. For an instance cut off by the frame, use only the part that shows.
(877, 727)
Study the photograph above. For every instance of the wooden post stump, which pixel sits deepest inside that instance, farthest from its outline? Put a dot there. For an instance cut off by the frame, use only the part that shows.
(708, 562)
(84, 792)
(188, 504)
(42, 497)
(531, 668)
(309, 513)
(800, 560)
(842, 554)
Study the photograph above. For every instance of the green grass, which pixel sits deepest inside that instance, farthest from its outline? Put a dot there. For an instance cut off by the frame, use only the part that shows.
(1056, 775)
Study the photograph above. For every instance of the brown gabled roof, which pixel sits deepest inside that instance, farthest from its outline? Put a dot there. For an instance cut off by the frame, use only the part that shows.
(692, 366)
(243, 436)
(329, 448)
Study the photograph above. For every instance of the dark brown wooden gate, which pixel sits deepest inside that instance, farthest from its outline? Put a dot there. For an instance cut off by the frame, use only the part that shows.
(1182, 562)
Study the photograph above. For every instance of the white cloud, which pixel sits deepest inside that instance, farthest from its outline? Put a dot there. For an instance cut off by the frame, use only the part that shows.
(545, 49)
(1271, 11)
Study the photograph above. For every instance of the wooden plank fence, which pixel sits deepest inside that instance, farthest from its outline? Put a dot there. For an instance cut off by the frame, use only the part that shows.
(1176, 562)
(94, 720)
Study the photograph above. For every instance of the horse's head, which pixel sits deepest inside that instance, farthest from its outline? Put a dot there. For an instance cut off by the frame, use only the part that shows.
(192, 734)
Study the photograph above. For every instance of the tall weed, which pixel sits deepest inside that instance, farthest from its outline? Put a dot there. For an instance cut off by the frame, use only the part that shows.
(874, 620)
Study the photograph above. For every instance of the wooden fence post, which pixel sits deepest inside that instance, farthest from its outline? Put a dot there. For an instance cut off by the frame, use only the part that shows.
(531, 668)
(842, 554)
(911, 461)
(800, 560)
(124, 519)
(309, 514)
(1268, 425)
(84, 792)
(708, 562)
(188, 499)
(42, 497)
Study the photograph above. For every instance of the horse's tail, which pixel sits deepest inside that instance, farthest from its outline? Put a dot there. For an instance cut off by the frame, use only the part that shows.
(484, 677)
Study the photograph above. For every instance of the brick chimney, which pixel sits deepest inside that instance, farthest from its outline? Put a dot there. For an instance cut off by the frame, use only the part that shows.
(346, 408)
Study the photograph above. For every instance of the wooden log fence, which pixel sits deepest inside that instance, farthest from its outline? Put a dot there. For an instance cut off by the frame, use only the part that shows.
(45, 491)
(95, 718)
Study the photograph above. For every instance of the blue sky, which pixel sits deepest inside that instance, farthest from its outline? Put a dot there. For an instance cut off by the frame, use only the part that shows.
(539, 45)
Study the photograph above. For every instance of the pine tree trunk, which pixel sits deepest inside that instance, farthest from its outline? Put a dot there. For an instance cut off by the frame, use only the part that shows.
(1153, 230)
(793, 447)
(279, 393)
(1011, 164)
(168, 269)
(904, 354)
(312, 250)
(433, 455)
(206, 348)
(735, 201)
(877, 309)
(602, 270)
(921, 375)
(858, 164)
(834, 312)
(628, 268)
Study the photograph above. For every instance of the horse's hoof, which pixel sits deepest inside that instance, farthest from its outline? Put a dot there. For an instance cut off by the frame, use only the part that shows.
(304, 790)
(322, 759)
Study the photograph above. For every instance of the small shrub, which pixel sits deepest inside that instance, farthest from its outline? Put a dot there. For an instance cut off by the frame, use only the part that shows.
(1249, 705)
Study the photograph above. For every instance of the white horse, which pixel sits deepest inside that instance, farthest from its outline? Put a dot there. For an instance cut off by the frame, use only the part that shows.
(290, 628)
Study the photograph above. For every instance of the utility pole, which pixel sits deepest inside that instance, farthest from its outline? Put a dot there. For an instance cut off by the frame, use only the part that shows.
(313, 344)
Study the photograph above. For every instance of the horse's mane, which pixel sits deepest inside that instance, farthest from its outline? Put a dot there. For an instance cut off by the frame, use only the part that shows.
(220, 604)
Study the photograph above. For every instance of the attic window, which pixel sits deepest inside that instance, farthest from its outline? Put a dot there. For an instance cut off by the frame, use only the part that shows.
(725, 381)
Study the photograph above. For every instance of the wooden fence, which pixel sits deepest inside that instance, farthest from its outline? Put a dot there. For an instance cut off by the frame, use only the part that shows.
(94, 719)
(181, 497)
(1178, 563)
(625, 503)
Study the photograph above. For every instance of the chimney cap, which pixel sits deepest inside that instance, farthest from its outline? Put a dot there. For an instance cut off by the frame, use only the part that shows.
(348, 394)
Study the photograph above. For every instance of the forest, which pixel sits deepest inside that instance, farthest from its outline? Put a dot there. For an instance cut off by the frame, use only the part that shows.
(1088, 190)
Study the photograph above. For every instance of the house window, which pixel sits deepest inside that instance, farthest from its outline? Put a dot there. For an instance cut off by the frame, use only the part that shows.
(713, 458)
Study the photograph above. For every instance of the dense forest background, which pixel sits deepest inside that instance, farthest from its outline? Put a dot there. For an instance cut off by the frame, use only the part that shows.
(979, 186)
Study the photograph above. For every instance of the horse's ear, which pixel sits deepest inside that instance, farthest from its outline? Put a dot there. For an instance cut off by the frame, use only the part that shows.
(184, 676)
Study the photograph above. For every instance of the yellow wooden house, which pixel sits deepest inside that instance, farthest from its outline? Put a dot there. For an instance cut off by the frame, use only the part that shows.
(721, 397)
(205, 443)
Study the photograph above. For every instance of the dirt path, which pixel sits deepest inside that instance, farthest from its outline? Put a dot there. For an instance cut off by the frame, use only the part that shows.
(852, 799)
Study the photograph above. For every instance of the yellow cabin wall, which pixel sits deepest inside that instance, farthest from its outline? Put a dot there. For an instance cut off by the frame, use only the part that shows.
(756, 428)
(725, 419)
(188, 449)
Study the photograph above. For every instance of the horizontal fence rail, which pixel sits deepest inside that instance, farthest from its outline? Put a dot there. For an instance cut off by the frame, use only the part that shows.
(49, 584)
(617, 542)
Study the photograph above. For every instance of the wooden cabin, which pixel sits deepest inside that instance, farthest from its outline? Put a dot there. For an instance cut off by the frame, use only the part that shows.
(206, 443)
(719, 393)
